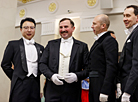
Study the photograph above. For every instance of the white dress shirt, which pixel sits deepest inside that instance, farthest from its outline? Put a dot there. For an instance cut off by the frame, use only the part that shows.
(64, 59)
(129, 31)
(31, 57)
(99, 35)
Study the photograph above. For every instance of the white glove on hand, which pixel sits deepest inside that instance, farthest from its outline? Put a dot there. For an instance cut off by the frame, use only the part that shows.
(70, 77)
(103, 97)
(125, 97)
(55, 78)
(119, 92)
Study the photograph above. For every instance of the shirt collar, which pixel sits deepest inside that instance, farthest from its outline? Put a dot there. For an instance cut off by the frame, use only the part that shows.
(99, 35)
(67, 40)
(129, 31)
(28, 41)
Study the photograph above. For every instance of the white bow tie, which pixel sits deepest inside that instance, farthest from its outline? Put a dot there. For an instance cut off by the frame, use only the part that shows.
(31, 42)
(66, 41)
(127, 32)
(96, 37)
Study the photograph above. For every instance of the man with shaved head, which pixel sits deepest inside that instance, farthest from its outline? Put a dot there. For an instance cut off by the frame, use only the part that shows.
(103, 61)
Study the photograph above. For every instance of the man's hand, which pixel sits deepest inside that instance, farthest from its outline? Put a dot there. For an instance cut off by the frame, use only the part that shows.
(119, 92)
(103, 97)
(125, 97)
(70, 77)
(55, 78)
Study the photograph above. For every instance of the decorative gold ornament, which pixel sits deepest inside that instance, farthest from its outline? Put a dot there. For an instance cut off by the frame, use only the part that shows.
(91, 2)
(22, 13)
(25, 1)
(52, 7)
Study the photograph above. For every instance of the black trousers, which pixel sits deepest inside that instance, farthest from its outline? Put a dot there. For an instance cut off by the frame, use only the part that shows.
(27, 90)
(61, 93)
(95, 90)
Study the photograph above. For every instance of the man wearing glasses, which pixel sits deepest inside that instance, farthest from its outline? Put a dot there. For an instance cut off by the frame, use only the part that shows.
(24, 54)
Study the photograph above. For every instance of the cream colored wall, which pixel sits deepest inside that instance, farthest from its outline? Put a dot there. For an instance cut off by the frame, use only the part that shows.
(7, 31)
(79, 10)
(118, 27)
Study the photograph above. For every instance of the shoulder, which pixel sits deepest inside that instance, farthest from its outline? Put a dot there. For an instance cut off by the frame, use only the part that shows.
(54, 41)
(14, 42)
(109, 38)
(79, 42)
(39, 44)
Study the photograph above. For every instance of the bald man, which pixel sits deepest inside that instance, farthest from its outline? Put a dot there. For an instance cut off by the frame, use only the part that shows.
(103, 61)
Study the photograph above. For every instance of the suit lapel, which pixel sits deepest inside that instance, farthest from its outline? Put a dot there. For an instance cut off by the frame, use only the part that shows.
(56, 46)
(94, 45)
(74, 51)
(23, 56)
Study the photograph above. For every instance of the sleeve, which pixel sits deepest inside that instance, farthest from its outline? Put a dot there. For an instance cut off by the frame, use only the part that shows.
(110, 47)
(43, 63)
(84, 65)
(6, 63)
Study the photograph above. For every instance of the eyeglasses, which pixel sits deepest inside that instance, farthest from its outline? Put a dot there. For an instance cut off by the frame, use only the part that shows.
(27, 27)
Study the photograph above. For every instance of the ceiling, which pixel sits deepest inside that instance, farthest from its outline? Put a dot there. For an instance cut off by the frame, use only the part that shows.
(24, 2)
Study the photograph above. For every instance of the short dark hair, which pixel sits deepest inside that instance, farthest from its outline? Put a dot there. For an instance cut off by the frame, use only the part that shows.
(111, 32)
(27, 19)
(135, 7)
(71, 22)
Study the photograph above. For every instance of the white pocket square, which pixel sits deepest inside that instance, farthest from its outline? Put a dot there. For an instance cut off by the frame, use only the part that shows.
(40, 51)
(128, 41)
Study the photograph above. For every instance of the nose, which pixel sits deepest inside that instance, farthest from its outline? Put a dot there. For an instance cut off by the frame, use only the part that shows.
(124, 19)
(29, 29)
(92, 26)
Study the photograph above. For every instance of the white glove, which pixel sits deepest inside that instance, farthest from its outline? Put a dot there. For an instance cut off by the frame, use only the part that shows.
(103, 97)
(70, 77)
(119, 92)
(55, 78)
(125, 97)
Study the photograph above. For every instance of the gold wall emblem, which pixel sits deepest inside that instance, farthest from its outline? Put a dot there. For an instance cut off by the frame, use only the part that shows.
(52, 7)
(25, 1)
(91, 2)
(22, 13)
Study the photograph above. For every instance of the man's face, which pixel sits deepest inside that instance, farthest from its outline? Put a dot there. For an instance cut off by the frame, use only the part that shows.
(28, 30)
(130, 18)
(65, 29)
(96, 26)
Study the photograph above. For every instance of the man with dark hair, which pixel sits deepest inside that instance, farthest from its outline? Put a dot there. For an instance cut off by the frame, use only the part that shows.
(103, 61)
(24, 54)
(128, 62)
(62, 63)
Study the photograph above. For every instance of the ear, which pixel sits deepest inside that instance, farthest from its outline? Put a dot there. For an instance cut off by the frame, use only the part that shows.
(73, 28)
(20, 29)
(137, 17)
(103, 25)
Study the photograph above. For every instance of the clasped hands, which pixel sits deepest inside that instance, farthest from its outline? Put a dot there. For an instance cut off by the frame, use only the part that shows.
(69, 78)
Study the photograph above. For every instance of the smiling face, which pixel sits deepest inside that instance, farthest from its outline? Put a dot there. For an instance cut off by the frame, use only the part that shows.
(66, 29)
(28, 30)
(130, 18)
